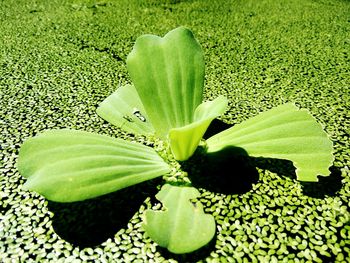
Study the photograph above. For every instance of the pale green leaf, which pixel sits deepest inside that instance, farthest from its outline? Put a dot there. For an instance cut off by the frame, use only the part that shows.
(182, 226)
(184, 140)
(284, 132)
(69, 165)
(168, 74)
(124, 109)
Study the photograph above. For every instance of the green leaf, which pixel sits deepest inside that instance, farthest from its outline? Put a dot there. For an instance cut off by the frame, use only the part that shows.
(184, 140)
(69, 165)
(168, 74)
(183, 226)
(284, 132)
(124, 109)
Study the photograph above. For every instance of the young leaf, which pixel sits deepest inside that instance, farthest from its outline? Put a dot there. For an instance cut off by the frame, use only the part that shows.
(184, 140)
(124, 109)
(168, 74)
(69, 165)
(284, 132)
(183, 226)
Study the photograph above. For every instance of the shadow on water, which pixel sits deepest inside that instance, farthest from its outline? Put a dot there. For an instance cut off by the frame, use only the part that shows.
(281, 167)
(91, 222)
(326, 185)
(228, 171)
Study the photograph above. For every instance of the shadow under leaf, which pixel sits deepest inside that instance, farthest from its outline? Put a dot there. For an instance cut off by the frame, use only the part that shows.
(227, 171)
(278, 166)
(326, 185)
(195, 256)
(90, 222)
(215, 127)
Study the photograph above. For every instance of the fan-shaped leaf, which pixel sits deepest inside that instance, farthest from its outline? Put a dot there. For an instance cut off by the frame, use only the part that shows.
(183, 226)
(184, 140)
(168, 74)
(69, 165)
(124, 109)
(284, 132)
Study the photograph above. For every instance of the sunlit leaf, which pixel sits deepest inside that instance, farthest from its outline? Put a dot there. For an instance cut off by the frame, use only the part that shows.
(69, 165)
(168, 74)
(184, 140)
(182, 226)
(284, 132)
(124, 109)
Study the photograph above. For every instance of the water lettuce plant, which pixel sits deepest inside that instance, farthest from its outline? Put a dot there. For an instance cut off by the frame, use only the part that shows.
(166, 101)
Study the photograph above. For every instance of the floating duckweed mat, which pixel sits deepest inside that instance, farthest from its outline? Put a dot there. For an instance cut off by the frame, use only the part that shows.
(60, 59)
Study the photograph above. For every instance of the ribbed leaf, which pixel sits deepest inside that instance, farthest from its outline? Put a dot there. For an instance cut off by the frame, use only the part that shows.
(284, 132)
(183, 226)
(124, 109)
(184, 140)
(168, 74)
(69, 165)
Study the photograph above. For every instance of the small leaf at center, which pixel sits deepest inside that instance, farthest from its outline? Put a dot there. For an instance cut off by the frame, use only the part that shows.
(184, 140)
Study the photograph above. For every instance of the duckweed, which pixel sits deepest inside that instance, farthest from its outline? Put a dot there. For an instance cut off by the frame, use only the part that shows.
(59, 61)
